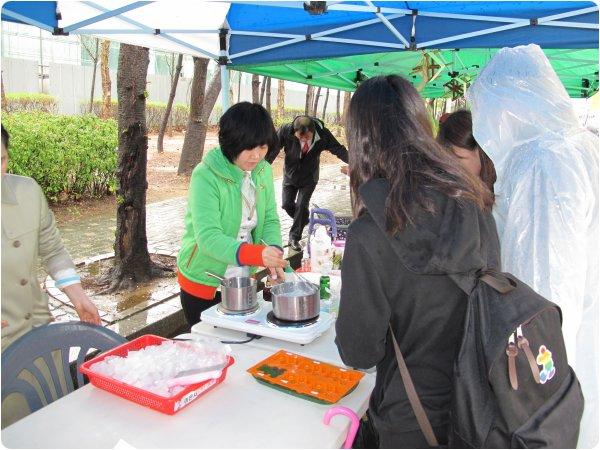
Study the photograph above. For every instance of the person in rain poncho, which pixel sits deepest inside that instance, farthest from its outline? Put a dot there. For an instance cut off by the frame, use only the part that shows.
(547, 198)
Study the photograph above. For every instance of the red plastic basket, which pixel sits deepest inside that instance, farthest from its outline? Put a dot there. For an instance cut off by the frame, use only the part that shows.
(167, 405)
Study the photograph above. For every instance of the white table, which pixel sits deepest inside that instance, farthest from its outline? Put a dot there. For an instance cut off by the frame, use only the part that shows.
(239, 413)
(322, 348)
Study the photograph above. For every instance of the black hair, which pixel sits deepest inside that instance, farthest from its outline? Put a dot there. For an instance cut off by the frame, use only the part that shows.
(389, 136)
(457, 130)
(245, 126)
(5, 137)
(303, 124)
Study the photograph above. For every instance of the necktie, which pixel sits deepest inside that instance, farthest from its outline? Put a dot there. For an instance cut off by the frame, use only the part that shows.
(305, 149)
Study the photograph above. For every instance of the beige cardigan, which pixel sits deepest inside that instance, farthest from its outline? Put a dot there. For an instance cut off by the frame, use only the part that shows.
(28, 232)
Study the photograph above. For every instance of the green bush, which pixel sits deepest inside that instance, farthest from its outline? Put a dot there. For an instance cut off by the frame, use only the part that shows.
(21, 101)
(154, 113)
(69, 156)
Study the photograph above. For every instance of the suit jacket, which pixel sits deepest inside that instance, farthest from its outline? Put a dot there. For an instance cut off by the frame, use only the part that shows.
(304, 170)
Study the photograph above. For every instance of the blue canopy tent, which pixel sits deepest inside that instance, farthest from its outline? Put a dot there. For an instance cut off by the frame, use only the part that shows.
(329, 47)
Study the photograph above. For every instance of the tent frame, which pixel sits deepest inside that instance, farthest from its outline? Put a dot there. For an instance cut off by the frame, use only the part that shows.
(383, 15)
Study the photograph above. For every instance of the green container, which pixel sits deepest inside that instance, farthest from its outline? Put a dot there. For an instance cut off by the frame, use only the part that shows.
(324, 287)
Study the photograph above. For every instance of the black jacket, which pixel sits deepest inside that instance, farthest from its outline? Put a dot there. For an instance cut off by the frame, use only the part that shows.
(303, 171)
(403, 280)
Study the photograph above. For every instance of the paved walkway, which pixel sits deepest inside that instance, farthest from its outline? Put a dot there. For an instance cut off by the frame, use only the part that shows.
(164, 220)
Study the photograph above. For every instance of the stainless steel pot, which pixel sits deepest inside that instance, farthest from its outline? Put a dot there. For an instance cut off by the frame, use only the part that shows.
(238, 294)
(296, 301)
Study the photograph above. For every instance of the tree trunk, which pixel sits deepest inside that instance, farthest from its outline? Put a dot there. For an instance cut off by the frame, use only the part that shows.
(263, 89)
(95, 60)
(132, 261)
(280, 99)
(165, 121)
(201, 106)
(346, 106)
(255, 86)
(338, 118)
(105, 72)
(239, 86)
(268, 96)
(325, 105)
(316, 104)
(4, 102)
(310, 91)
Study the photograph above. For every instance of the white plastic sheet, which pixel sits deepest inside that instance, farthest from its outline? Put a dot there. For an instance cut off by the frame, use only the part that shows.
(547, 198)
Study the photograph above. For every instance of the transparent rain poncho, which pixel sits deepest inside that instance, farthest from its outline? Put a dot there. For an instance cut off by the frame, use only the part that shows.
(546, 198)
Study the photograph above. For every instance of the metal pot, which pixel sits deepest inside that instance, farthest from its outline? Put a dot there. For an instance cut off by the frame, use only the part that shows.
(289, 305)
(238, 294)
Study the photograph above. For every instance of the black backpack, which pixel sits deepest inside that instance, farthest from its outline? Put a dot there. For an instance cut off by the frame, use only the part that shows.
(513, 387)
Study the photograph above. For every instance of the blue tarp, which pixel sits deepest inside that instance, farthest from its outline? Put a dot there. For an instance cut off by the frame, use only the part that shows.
(290, 18)
(282, 19)
(42, 12)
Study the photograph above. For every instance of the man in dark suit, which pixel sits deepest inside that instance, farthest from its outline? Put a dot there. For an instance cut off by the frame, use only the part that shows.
(303, 140)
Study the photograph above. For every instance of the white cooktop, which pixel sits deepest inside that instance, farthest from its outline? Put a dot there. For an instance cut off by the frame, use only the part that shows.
(257, 323)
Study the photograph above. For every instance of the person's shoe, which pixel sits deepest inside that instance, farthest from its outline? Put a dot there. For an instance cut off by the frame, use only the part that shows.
(294, 245)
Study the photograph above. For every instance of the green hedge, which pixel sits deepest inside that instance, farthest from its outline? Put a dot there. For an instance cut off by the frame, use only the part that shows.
(20, 101)
(154, 113)
(71, 157)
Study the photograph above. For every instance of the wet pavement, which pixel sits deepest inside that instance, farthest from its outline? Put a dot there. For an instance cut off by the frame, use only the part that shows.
(87, 239)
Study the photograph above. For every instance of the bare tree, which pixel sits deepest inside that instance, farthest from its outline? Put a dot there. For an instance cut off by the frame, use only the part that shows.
(105, 112)
(94, 55)
(263, 89)
(316, 104)
(166, 117)
(239, 92)
(346, 106)
(310, 92)
(255, 87)
(201, 105)
(280, 99)
(338, 118)
(325, 104)
(132, 260)
(268, 96)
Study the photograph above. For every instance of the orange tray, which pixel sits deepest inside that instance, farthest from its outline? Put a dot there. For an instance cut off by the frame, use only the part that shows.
(306, 377)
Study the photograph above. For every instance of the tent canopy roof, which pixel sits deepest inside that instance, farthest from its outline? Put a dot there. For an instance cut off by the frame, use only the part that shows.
(577, 69)
(282, 40)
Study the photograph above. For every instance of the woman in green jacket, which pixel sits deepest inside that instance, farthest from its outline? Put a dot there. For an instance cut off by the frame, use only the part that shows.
(231, 211)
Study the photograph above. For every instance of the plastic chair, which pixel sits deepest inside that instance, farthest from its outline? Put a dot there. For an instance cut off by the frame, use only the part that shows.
(41, 342)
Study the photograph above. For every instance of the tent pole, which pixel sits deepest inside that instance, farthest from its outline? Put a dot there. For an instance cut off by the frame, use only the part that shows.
(223, 59)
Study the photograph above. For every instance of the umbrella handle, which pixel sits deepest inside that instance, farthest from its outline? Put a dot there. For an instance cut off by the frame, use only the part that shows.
(354, 422)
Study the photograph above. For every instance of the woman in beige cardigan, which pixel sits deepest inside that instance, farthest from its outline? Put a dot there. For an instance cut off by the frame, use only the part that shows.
(28, 232)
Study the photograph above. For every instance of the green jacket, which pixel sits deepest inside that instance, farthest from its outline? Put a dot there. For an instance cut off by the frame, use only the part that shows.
(214, 216)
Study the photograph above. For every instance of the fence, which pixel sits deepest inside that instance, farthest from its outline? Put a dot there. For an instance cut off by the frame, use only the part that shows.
(71, 85)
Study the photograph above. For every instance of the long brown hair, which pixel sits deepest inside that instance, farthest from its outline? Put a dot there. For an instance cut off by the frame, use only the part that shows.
(390, 136)
(457, 130)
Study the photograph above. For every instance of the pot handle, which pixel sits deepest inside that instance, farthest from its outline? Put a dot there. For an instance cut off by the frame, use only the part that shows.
(215, 276)
(354, 422)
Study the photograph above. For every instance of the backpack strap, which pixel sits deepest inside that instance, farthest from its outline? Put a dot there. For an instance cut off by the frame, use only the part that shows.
(497, 280)
(413, 397)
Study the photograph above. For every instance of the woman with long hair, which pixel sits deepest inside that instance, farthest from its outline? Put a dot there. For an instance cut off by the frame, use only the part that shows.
(420, 218)
(456, 135)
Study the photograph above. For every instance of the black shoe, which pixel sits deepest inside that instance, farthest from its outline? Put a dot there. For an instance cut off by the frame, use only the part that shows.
(294, 245)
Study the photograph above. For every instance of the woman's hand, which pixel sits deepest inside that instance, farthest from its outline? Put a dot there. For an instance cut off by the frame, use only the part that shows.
(273, 260)
(86, 310)
(276, 274)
